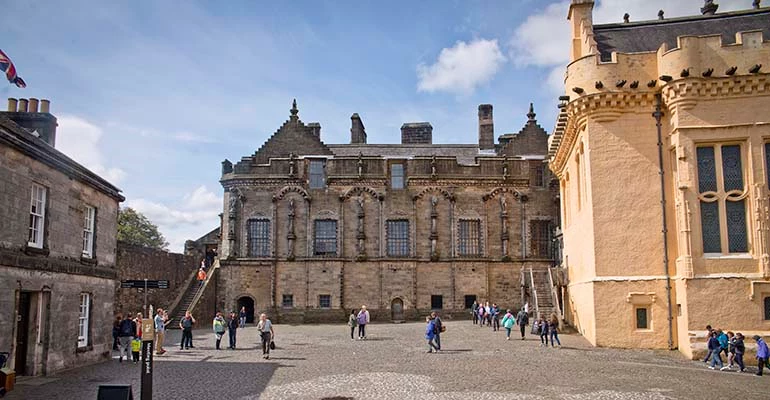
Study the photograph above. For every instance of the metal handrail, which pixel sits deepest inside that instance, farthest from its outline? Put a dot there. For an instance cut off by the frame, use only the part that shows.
(534, 293)
(555, 295)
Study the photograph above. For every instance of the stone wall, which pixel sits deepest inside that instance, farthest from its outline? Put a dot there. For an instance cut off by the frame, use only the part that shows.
(136, 262)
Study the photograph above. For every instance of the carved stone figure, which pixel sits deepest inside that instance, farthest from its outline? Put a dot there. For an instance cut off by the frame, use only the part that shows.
(292, 165)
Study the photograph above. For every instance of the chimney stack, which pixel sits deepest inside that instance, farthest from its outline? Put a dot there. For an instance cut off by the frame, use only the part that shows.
(486, 128)
(25, 113)
(357, 130)
(315, 129)
(417, 133)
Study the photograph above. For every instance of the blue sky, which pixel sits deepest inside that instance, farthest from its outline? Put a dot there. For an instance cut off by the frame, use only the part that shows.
(153, 95)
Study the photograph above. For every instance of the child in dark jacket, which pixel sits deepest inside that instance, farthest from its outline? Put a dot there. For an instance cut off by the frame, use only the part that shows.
(715, 348)
(740, 348)
(542, 326)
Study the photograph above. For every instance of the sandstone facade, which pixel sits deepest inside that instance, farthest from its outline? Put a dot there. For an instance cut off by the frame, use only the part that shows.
(57, 250)
(698, 83)
(310, 231)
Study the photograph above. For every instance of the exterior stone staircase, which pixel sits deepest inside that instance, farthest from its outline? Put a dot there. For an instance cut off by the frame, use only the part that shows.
(543, 294)
(191, 296)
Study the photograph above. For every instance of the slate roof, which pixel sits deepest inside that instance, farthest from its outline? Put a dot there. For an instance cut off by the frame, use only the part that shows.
(635, 37)
(466, 153)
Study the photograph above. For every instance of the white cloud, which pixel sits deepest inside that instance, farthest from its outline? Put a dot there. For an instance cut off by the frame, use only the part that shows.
(543, 39)
(192, 138)
(460, 69)
(79, 139)
(195, 214)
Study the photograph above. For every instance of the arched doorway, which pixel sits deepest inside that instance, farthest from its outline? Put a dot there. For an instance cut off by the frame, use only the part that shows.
(397, 310)
(247, 302)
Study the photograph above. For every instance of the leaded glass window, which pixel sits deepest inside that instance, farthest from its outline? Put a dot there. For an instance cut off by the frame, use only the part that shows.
(540, 239)
(722, 190)
(324, 301)
(317, 174)
(642, 319)
(397, 176)
(258, 233)
(398, 238)
(325, 241)
(470, 237)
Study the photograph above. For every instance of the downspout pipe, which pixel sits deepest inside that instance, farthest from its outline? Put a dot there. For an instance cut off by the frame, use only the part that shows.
(658, 115)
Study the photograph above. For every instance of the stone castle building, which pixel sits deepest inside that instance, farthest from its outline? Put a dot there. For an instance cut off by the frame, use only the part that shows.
(57, 248)
(662, 152)
(312, 229)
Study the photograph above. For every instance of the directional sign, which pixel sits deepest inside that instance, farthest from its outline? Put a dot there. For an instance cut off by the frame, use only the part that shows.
(141, 284)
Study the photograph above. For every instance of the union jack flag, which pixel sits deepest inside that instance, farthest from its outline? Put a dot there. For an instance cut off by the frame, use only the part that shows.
(6, 65)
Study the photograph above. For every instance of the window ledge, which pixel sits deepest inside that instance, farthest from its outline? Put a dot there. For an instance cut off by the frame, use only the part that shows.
(88, 260)
(735, 256)
(643, 331)
(84, 349)
(37, 251)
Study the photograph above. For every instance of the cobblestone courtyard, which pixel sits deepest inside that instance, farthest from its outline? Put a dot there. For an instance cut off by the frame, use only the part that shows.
(321, 361)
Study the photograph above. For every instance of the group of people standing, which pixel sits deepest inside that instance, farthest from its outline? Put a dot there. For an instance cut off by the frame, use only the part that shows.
(489, 314)
(358, 320)
(733, 346)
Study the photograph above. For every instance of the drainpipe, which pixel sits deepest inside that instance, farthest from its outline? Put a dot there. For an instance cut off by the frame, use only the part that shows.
(658, 115)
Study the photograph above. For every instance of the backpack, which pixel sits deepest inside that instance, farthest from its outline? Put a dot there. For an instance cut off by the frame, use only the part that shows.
(127, 328)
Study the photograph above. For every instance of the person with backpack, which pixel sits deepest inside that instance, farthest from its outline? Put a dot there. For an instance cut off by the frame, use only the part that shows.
(219, 326)
(362, 319)
(430, 334)
(232, 328)
(762, 354)
(352, 323)
(508, 322)
(439, 327)
(523, 320)
(125, 336)
(186, 325)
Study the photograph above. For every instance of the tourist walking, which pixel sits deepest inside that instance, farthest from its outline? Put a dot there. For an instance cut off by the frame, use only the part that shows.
(136, 347)
(160, 332)
(474, 312)
(762, 354)
(553, 329)
(186, 325)
(116, 331)
(715, 349)
(523, 320)
(480, 315)
(138, 322)
(740, 348)
(232, 328)
(265, 328)
(708, 336)
(494, 315)
(219, 326)
(508, 321)
(731, 349)
(724, 343)
(542, 330)
(430, 334)
(201, 277)
(125, 336)
(439, 326)
(242, 317)
(362, 319)
(488, 314)
(352, 323)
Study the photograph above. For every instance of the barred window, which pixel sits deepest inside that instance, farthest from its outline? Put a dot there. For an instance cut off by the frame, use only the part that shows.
(397, 176)
(721, 188)
(436, 302)
(259, 237)
(540, 234)
(325, 240)
(317, 174)
(470, 234)
(398, 238)
(287, 301)
(325, 301)
(538, 178)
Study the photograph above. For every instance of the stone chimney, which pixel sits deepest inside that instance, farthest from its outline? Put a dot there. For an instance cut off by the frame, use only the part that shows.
(315, 129)
(357, 130)
(417, 133)
(580, 15)
(486, 127)
(25, 113)
(709, 8)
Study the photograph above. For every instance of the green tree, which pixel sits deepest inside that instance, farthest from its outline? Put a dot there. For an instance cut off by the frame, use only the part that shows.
(134, 228)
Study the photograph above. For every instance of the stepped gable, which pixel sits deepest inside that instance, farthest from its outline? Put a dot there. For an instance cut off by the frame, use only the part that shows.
(531, 140)
(636, 37)
(292, 137)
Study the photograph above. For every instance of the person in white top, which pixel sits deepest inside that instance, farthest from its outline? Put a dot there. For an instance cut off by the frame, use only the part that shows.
(265, 328)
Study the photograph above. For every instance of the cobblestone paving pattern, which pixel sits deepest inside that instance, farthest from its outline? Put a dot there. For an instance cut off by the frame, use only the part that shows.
(322, 362)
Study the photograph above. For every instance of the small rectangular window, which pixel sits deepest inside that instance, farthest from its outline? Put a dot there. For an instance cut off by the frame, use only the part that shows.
(436, 302)
(258, 233)
(469, 299)
(83, 319)
(397, 238)
(287, 301)
(642, 319)
(325, 240)
(88, 231)
(317, 174)
(325, 301)
(397, 176)
(37, 216)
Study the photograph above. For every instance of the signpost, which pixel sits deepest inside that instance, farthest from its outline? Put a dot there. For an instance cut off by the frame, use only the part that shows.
(144, 284)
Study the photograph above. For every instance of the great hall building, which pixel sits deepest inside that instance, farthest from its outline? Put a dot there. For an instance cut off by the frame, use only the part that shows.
(310, 230)
(662, 152)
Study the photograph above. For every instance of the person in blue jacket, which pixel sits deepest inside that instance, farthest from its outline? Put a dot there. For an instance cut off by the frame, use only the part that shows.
(724, 343)
(430, 334)
(762, 354)
(715, 349)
